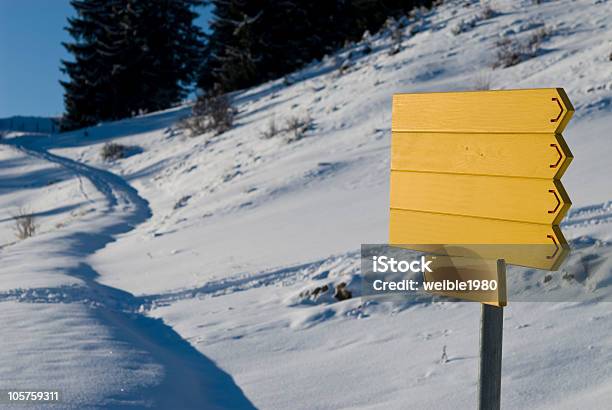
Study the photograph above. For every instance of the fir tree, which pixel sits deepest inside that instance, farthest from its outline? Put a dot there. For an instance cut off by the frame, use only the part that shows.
(129, 56)
(88, 75)
(256, 41)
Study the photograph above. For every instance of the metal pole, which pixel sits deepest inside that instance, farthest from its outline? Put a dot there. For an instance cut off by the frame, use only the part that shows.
(491, 331)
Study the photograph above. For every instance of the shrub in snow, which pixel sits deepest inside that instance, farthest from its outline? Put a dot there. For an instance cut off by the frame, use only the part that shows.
(211, 112)
(297, 127)
(482, 81)
(393, 29)
(487, 13)
(219, 111)
(25, 225)
(366, 41)
(271, 131)
(294, 129)
(342, 293)
(538, 36)
(324, 294)
(112, 151)
(511, 51)
(345, 66)
(568, 276)
(464, 25)
(313, 294)
(396, 41)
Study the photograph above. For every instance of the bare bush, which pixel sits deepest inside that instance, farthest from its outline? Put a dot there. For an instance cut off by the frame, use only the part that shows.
(487, 12)
(393, 29)
(366, 41)
(466, 25)
(25, 224)
(511, 51)
(536, 38)
(212, 111)
(482, 81)
(345, 67)
(294, 128)
(396, 41)
(220, 111)
(463, 25)
(271, 131)
(297, 127)
(112, 151)
(193, 125)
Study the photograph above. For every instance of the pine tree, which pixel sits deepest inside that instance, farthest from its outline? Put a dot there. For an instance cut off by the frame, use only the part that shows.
(129, 56)
(256, 41)
(88, 74)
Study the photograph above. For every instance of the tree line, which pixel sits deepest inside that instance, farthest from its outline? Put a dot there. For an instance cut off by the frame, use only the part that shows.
(135, 56)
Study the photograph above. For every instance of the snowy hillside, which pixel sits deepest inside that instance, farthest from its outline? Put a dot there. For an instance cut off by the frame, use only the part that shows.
(185, 271)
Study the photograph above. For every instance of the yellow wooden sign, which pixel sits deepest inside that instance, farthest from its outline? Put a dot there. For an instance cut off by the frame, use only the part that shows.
(546, 110)
(542, 201)
(481, 168)
(517, 155)
(417, 230)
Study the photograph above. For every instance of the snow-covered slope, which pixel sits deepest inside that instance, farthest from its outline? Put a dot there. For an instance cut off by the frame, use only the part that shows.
(221, 236)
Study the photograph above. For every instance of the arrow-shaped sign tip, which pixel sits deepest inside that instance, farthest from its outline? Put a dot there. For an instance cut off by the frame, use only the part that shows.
(563, 108)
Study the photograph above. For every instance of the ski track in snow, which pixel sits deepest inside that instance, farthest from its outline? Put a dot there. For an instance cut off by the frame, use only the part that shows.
(589, 215)
(190, 379)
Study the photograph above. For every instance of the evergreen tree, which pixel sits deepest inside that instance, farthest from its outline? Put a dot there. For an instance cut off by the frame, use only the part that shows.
(253, 41)
(87, 72)
(129, 56)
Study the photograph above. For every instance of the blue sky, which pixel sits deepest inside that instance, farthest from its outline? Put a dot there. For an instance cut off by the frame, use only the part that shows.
(31, 32)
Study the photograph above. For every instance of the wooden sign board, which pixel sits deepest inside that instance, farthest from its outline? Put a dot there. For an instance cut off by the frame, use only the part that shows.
(517, 155)
(481, 168)
(540, 201)
(545, 110)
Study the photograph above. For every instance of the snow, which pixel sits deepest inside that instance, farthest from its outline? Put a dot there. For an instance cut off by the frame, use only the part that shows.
(191, 259)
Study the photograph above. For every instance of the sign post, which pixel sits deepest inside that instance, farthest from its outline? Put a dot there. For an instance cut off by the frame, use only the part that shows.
(491, 331)
(481, 168)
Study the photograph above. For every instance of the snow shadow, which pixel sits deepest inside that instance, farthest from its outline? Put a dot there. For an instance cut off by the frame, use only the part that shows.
(190, 381)
(49, 212)
(38, 178)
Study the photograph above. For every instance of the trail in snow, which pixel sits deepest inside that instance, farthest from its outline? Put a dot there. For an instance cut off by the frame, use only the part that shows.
(190, 380)
(589, 215)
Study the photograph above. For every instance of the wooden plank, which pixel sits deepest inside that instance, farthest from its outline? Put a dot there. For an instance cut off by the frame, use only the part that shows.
(545, 110)
(419, 230)
(463, 269)
(520, 155)
(539, 201)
